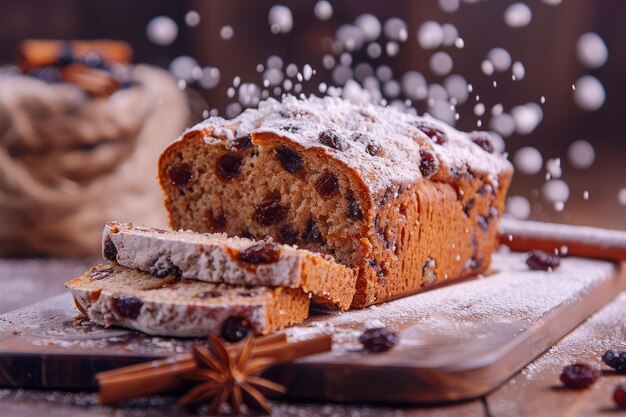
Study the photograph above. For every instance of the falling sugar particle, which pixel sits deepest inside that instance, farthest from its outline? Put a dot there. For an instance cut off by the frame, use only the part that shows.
(555, 191)
(226, 32)
(441, 63)
(182, 67)
(210, 77)
(518, 15)
(581, 154)
(589, 94)
(585, 195)
(500, 58)
(323, 10)
(162, 30)
(487, 67)
(559, 206)
(543, 99)
(528, 160)
(591, 50)
(449, 6)
(459, 43)
(307, 71)
(519, 72)
(396, 29)
(479, 109)
(430, 35)
(621, 196)
(519, 207)
(192, 18)
(370, 26)
(280, 19)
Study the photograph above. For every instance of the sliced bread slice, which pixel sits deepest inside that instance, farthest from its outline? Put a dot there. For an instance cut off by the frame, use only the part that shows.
(218, 258)
(113, 295)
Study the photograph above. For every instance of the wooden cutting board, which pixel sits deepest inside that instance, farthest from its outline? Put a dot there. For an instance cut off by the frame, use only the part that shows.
(457, 342)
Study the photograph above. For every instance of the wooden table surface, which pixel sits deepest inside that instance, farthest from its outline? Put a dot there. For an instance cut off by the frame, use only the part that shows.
(535, 391)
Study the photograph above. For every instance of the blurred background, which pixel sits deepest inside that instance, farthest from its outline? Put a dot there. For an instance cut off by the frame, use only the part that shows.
(545, 76)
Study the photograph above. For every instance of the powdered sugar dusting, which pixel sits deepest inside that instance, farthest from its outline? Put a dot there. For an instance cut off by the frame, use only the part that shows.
(395, 132)
(499, 305)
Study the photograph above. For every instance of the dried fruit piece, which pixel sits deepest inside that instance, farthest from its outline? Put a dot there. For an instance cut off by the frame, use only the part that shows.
(164, 267)
(432, 132)
(235, 329)
(483, 223)
(215, 223)
(288, 235)
(210, 294)
(243, 142)
(109, 251)
(468, 206)
(353, 210)
(261, 253)
(616, 359)
(228, 166)
(327, 185)
(291, 160)
(539, 260)
(101, 273)
(290, 128)
(180, 174)
(429, 164)
(378, 340)
(127, 306)
(331, 138)
(270, 212)
(380, 271)
(619, 396)
(428, 271)
(483, 140)
(313, 234)
(579, 375)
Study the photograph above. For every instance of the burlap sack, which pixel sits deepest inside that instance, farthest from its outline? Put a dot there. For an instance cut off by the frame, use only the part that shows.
(69, 163)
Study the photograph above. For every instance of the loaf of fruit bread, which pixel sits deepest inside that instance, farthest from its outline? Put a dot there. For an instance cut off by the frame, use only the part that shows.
(406, 200)
(114, 295)
(218, 258)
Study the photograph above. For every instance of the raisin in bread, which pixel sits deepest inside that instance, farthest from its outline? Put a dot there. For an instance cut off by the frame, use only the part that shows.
(406, 200)
(113, 295)
(220, 259)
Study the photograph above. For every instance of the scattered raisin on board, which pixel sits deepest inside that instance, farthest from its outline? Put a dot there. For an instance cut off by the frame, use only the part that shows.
(616, 359)
(619, 396)
(235, 329)
(539, 260)
(378, 339)
(579, 375)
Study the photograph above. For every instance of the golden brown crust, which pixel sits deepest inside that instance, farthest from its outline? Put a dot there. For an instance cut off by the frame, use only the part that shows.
(407, 237)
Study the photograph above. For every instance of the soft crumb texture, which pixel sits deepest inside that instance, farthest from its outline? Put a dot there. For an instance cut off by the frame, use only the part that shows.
(406, 200)
(238, 261)
(113, 295)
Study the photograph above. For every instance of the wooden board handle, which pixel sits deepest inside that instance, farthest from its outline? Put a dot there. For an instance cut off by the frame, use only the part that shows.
(584, 241)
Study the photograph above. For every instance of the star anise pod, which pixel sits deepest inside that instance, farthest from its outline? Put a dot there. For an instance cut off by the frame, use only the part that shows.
(222, 376)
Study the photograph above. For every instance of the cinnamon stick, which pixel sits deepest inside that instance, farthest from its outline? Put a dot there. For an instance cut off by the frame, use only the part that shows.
(588, 242)
(94, 81)
(161, 375)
